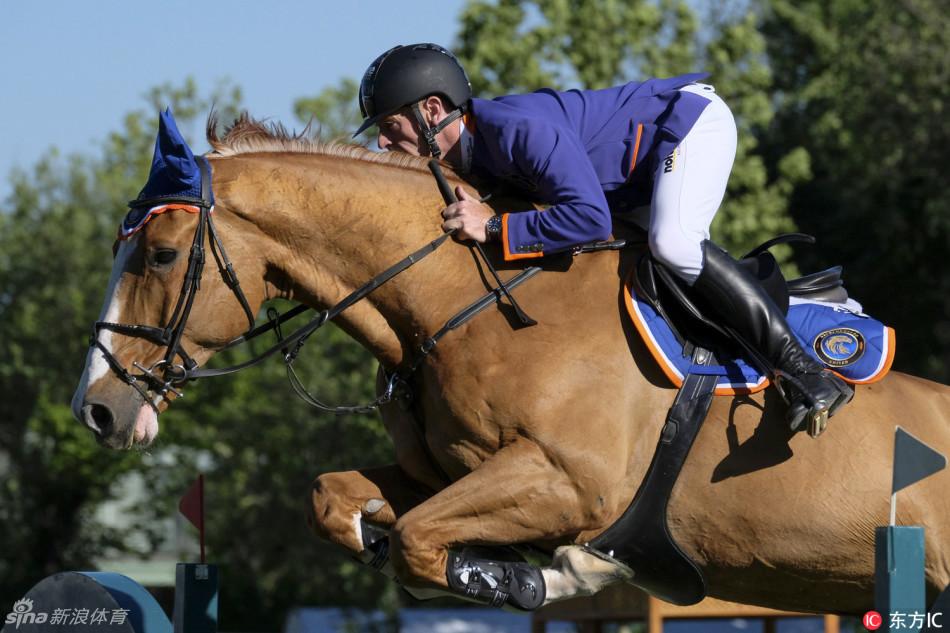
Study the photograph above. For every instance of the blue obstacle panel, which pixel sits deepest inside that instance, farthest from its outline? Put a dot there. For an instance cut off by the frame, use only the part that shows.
(196, 598)
(92, 602)
(899, 575)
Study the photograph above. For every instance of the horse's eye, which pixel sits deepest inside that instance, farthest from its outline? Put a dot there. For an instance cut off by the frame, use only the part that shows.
(163, 257)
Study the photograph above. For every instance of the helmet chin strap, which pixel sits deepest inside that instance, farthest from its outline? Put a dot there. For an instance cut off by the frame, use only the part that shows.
(430, 132)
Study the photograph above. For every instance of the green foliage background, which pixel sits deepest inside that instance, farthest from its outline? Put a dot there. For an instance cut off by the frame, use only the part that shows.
(842, 112)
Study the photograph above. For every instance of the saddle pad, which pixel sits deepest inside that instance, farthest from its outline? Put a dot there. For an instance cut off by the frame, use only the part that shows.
(850, 343)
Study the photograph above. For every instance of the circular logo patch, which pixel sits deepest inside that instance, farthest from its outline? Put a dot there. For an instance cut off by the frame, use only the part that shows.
(839, 347)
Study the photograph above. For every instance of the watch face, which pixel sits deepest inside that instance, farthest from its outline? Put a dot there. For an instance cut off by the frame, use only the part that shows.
(493, 226)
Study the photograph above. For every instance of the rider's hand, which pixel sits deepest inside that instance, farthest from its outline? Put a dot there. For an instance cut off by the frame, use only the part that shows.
(468, 215)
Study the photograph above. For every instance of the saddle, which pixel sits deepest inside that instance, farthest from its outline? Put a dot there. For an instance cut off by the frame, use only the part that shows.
(687, 315)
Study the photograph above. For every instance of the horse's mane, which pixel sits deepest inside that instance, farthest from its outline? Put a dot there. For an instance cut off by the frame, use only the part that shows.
(247, 136)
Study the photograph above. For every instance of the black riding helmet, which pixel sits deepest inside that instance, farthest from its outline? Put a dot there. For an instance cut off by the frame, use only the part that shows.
(405, 75)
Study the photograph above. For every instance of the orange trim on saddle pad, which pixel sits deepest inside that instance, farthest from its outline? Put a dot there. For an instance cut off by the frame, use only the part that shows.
(668, 368)
(886, 362)
(509, 256)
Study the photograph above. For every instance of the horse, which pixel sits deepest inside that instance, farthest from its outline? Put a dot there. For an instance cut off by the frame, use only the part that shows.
(516, 436)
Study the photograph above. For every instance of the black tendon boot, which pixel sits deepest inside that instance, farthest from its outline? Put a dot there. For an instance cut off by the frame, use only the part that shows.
(494, 582)
(742, 304)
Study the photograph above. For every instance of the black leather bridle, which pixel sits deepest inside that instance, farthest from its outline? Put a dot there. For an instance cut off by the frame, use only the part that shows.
(168, 374)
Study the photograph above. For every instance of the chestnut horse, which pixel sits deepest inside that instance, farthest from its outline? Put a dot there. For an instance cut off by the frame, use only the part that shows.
(537, 435)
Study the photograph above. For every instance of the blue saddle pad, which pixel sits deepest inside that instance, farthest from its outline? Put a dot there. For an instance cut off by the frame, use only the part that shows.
(855, 346)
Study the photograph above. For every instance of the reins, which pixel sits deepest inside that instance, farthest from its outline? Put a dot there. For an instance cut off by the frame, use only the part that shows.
(167, 374)
(300, 335)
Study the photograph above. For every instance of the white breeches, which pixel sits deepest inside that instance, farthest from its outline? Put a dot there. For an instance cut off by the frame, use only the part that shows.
(689, 186)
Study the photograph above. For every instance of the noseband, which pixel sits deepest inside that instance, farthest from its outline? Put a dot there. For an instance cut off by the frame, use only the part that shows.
(176, 366)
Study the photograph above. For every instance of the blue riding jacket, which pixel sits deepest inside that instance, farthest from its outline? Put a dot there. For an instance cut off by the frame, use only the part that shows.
(575, 150)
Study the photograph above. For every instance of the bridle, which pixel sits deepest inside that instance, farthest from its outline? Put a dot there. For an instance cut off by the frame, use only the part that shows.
(168, 373)
(177, 367)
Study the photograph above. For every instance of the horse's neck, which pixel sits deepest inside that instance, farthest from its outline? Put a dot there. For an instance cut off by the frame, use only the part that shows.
(330, 224)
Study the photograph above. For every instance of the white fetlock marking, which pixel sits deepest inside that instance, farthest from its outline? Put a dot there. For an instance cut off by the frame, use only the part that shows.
(358, 528)
(576, 572)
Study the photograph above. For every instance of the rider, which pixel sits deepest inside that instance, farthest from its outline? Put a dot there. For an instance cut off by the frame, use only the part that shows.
(659, 152)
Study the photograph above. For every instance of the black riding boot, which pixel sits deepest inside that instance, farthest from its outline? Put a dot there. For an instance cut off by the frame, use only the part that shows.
(743, 305)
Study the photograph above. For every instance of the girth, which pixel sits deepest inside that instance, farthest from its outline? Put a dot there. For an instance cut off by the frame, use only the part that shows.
(640, 538)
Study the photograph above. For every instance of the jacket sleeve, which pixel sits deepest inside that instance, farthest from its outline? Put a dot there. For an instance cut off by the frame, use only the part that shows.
(553, 160)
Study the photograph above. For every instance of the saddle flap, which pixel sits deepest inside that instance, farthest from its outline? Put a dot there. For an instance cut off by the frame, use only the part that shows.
(672, 298)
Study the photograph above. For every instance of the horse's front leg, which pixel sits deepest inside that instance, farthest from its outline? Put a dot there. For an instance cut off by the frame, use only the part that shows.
(356, 509)
(519, 495)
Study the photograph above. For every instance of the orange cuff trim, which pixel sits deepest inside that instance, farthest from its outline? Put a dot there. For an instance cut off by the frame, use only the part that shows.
(509, 256)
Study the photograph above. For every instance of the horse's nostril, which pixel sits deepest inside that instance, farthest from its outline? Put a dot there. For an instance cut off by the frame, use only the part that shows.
(99, 418)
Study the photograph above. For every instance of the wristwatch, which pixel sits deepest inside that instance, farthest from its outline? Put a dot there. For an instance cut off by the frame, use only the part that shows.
(493, 229)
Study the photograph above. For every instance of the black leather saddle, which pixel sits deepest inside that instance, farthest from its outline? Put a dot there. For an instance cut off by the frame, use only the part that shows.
(686, 313)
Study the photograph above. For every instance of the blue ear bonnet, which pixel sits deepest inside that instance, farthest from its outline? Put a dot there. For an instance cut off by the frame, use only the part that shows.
(175, 172)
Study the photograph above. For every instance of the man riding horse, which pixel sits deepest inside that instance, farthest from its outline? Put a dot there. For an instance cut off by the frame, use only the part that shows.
(657, 152)
(576, 449)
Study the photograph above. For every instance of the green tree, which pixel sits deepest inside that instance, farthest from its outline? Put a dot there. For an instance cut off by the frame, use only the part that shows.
(335, 112)
(259, 446)
(863, 87)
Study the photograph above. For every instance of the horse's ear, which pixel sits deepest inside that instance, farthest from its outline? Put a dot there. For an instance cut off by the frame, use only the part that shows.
(171, 148)
(174, 168)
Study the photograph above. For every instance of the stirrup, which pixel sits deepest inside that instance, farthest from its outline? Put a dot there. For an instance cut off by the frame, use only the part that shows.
(804, 407)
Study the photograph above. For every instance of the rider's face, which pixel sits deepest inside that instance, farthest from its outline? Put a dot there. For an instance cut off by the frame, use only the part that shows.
(399, 133)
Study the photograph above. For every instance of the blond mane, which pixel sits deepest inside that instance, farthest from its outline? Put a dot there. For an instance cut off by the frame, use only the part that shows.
(248, 136)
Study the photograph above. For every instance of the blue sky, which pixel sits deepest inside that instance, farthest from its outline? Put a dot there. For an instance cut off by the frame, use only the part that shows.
(70, 69)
